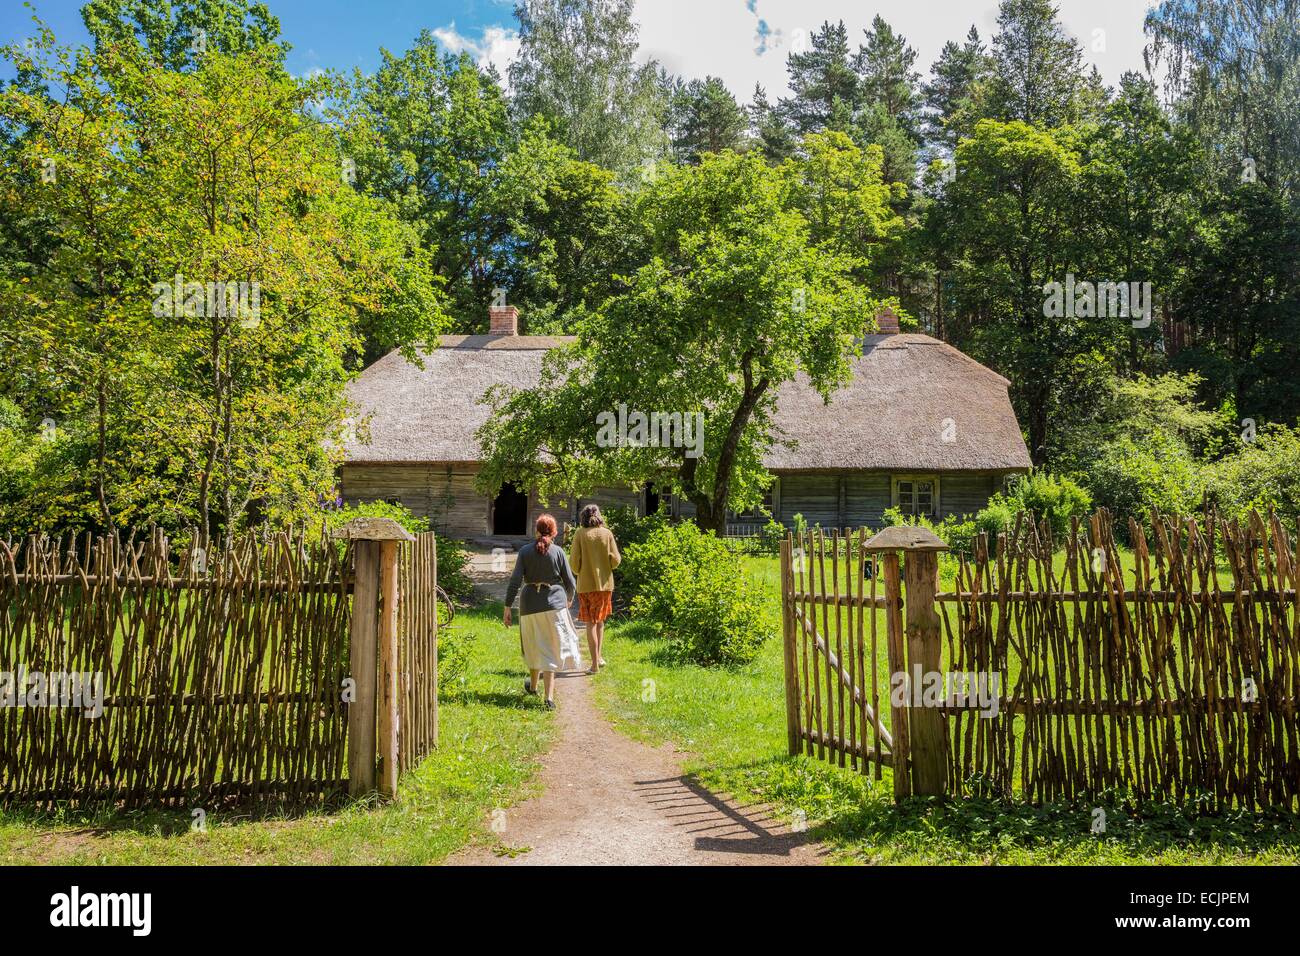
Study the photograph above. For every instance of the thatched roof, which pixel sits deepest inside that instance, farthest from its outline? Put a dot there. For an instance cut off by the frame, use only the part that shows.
(431, 414)
(892, 416)
(915, 403)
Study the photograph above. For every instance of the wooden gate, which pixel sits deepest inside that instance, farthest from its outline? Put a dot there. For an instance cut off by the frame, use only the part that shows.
(833, 650)
(1170, 672)
(844, 640)
(417, 636)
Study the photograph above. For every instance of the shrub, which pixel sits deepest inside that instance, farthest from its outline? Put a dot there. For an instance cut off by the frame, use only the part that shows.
(11, 416)
(630, 530)
(630, 526)
(997, 517)
(1262, 475)
(956, 532)
(452, 556)
(768, 540)
(1057, 499)
(1132, 477)
(1143, 445)
(693, 590)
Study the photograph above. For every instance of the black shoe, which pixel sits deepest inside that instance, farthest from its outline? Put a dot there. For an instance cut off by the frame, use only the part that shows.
(550, 705)
(529, 688)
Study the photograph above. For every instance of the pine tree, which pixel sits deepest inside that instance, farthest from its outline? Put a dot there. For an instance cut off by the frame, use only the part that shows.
(819, 78)
(874, 126)
(1038, 72)
(769, 128)
(705, 119)
(955, 75)
(886, 78)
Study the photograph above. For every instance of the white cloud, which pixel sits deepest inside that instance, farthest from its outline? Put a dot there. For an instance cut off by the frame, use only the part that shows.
(747, 41)
(496, 45)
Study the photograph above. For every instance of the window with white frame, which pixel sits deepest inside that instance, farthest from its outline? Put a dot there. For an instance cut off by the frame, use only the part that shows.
(917, 495)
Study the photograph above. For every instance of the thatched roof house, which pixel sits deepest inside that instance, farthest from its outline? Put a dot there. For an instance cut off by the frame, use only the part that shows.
(921, 427)
(432, 414)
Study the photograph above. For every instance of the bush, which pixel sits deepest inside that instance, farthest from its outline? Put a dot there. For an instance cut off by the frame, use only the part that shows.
(692, 590)
(1057, 499)
(630, 530)
(958, 533)
(452, 556)
(1131, 478)
(630, 526)
(1263, 475)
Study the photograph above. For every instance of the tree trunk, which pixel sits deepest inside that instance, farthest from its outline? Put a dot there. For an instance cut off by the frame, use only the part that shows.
(711, 516)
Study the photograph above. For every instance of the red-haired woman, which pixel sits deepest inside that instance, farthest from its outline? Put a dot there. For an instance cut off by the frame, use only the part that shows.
(545, 585)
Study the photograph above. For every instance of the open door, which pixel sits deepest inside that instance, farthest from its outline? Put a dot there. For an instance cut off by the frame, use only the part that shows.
(510, 512)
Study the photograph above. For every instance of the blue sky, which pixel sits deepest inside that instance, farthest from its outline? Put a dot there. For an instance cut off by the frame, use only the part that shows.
(742, 41)
(324, 33)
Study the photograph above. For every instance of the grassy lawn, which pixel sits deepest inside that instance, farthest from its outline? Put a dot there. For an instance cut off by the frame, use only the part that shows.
(490, 741)
(733, 724)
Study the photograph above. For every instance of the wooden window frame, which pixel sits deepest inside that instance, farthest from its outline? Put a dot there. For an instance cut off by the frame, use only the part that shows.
(936, 500)
(771, 501)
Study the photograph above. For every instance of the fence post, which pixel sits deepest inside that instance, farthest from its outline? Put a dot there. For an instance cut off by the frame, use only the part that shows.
(793, 732)
(929, 735)
(921, 740)
(372, 717)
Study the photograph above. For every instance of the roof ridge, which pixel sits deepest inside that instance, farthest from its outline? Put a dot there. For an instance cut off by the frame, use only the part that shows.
(931, 340)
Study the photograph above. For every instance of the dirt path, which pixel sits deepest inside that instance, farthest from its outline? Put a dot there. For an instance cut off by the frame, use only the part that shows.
(490, 573)
(611, 800)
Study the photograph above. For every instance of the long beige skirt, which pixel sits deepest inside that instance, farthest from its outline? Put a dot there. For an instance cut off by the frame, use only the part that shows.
(549, 641)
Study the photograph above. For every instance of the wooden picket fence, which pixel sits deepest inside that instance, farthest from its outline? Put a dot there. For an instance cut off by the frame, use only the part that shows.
(1175, 679)
(223, 675)
(418, 649)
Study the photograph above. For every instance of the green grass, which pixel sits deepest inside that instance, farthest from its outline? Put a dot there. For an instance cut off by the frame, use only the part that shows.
(733, 724)
(490, 741)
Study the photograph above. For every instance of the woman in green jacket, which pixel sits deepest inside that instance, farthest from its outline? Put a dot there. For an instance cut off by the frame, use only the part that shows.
(595, 556)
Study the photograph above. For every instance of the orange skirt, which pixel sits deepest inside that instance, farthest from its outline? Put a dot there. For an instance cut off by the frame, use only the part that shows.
(594, 606)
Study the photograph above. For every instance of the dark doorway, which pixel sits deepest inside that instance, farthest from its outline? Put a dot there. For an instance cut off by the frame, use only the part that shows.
(510, 512)
(651, 500)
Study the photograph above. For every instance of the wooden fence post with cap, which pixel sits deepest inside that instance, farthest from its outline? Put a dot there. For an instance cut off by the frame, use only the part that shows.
(372, 716)
(920, 737)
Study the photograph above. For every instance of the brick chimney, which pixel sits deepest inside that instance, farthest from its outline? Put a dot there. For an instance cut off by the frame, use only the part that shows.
(887, 321)
(503, 320)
